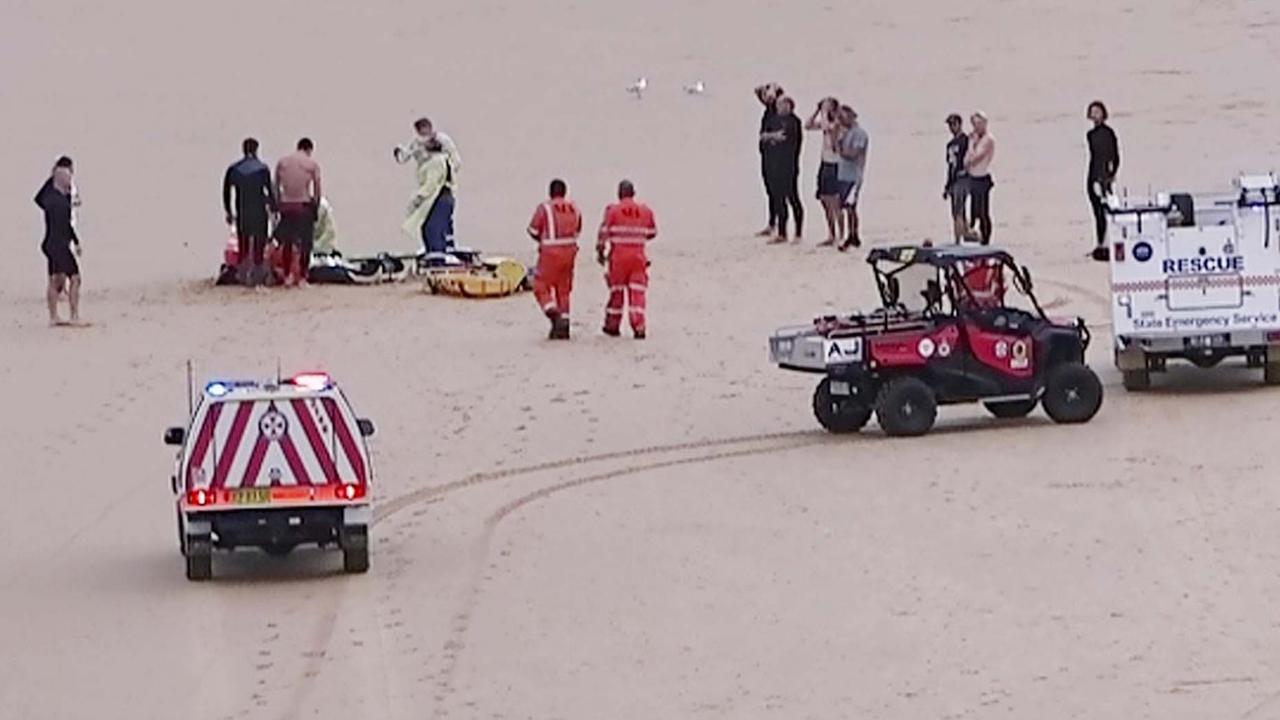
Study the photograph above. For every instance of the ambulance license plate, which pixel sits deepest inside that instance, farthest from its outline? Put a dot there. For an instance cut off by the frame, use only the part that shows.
(251, 496)
(1208, 341)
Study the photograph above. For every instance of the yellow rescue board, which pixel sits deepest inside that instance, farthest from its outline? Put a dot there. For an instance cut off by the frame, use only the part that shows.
(498, 277)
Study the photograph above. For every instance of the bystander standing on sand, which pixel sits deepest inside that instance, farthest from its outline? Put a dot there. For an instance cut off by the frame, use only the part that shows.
(977, 162)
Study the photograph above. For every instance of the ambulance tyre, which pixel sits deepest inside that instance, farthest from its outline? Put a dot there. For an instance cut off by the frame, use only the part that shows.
(355, 548)
(1072, 393)
(1011, 409)
(838, 415)
(1271, 367)
(906, 407)
(199, 557)
(1136, 380)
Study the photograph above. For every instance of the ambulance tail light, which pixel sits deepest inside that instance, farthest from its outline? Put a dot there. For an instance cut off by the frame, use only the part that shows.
(351, 491)
(312, 380)
(200, 497)
(1117, 252)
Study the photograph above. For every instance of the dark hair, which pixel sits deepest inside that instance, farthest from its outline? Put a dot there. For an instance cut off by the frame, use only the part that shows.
(422, 124)
(306, 145)
(63, 162)
(1101, 106)
(955, 119)
(250, 146)
(626, 189)
(434, 145)
(558, 188)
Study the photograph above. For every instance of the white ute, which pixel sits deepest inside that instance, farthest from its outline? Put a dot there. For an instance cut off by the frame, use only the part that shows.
(1197, 277)
(272, 465)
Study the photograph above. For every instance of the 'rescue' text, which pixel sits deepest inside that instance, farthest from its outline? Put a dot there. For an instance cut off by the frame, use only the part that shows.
(1204, 264)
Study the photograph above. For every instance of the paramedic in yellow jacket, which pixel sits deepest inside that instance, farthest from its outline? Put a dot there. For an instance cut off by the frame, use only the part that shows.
(326, 234)
(431, 208)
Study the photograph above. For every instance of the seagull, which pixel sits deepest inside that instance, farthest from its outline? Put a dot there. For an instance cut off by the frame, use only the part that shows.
(638, 87)
(697, 88)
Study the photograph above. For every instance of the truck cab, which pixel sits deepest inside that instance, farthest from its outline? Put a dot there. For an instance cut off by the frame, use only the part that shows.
(272, 465)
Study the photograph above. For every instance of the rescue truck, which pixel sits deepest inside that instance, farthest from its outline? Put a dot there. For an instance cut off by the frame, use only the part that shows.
(272, 465)
(1196, 278)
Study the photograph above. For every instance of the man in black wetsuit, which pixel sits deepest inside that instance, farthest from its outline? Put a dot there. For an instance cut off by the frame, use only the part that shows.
(54, 198)
(768, 96)
(782, 137)
(255, 199)
(1104, 162)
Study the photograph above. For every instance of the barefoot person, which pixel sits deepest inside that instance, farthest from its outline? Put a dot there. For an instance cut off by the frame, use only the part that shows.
(298, 192)
(54, 198)
(249, 179)
(782, 169)
(825, 119)
(768, 95)
(977, 162)
(1104, 163)
(555, 226)
(956, 187)
(850, 172)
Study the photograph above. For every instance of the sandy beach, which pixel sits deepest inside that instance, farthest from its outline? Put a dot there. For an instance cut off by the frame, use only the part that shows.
(606, 528)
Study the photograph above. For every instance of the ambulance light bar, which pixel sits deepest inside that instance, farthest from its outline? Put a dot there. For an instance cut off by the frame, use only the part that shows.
(218, 388)
(312, 380)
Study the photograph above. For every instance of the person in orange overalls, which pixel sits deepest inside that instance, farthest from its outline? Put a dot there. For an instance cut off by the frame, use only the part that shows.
(627, 227)
(555, 226)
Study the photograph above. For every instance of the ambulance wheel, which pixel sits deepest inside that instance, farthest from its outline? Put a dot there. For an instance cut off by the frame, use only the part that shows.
(182, 536)
(1271, 365)
(199, 557)
(355, 548)
(1011, 409)
(836, 413)
(1072, 393)
(1136, 380)
(906, 407)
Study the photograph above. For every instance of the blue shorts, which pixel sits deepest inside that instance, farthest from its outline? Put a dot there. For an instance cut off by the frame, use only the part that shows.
(828, 180)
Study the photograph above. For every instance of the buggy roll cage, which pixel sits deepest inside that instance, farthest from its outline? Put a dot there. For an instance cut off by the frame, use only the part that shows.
(948, 261)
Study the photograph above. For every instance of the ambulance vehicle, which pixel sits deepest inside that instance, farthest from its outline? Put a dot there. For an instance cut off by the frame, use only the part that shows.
(272, 465)
(1197, 278)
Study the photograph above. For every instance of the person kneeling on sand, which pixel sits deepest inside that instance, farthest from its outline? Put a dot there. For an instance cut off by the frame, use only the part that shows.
(431, 208)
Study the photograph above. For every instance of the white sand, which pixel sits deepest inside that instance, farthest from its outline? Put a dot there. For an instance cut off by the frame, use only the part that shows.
(1121, 569)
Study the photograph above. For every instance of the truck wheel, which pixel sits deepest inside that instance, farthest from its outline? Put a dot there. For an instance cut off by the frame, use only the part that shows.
(1072, 393)
(355, 548)
(1271, 369)
(906, 407)
(837, 413)
(199, 557)
(1136, 380)
(182, 536)
(1011, 409)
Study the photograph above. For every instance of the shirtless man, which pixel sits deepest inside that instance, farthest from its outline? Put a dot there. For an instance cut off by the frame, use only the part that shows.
(977, 162)
(298, 192)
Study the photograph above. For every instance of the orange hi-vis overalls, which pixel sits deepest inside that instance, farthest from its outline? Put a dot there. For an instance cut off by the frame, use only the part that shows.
(556, 225)
(627, 227)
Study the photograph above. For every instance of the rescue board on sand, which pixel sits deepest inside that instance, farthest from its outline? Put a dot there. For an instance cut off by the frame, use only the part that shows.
(497, 277)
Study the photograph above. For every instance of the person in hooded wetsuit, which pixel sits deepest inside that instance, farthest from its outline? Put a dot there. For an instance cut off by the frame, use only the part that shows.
(1104, 163)
(250, 179)
(54, 198)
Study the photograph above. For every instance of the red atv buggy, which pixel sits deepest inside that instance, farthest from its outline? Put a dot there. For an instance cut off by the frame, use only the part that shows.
(944, 334)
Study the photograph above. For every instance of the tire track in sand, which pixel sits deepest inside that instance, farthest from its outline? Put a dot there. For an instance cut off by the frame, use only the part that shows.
(321, 638)
(461, 625)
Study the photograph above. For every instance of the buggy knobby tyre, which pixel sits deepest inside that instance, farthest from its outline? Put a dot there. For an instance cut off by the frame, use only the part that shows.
(1072, 393)
(839, 413)
(1011, 409)
(906, 407)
